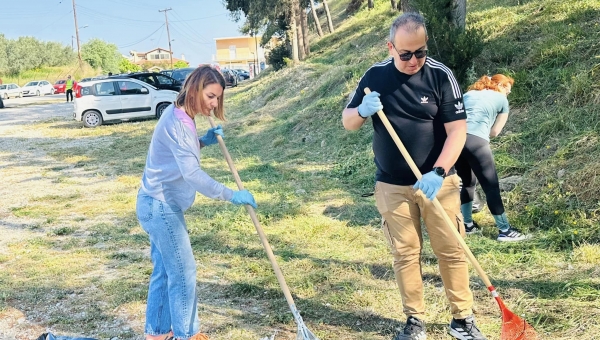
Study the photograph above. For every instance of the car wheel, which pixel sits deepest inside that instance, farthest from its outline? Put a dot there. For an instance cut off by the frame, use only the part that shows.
(52, 91)
(92, 119)
(160, 109)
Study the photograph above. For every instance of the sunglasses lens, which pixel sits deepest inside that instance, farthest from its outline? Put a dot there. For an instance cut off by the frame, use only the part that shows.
(420, 54)
(406, 56)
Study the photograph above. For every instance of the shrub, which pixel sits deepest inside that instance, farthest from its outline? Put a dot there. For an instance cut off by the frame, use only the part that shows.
(452, 45)
(277, 56)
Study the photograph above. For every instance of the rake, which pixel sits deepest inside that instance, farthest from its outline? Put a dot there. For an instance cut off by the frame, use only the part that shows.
(303, 332)
(513, 327)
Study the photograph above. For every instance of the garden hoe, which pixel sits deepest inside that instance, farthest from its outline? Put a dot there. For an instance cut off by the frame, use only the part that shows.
(513, 327)
(303, 332)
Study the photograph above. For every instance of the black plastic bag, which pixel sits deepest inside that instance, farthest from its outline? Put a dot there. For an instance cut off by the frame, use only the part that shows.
(50, 336)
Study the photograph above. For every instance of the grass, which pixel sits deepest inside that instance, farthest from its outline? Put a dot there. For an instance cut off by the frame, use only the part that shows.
(72, 195)
(51, 74)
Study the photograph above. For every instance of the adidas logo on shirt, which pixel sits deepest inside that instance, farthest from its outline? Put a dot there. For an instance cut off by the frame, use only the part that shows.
(424, 100)
(459, 108)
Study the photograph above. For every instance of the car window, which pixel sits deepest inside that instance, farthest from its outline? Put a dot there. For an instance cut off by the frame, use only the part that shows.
(146, 79)
(45, 83)
(129, 87)
(32, 83)
(105, 89)
(2, 87)
(58, 82)
(164, 80)
(87, 90)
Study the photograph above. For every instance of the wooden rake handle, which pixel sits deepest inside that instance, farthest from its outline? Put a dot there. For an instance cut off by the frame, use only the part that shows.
(436, 202)
(259, 230)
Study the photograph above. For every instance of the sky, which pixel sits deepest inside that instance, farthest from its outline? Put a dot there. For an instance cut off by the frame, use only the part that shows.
(130, 24)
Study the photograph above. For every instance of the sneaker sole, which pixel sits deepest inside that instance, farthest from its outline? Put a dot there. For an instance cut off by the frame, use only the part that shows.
(513, 239)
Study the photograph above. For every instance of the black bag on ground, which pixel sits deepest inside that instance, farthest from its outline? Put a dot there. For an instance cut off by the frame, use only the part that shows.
(50, 336)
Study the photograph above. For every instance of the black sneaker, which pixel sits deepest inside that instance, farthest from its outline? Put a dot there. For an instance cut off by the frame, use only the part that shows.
(474, 228)
(465, 329)
(512, 235)
(414, 330)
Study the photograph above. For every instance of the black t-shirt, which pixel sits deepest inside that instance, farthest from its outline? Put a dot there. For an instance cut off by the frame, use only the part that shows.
(417, 107)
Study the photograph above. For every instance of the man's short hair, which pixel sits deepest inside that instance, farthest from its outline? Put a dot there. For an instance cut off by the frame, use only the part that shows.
(410, 21)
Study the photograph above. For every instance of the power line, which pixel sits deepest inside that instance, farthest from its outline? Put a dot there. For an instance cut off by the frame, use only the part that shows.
(116, 17)
(185, 24)
(145, 38)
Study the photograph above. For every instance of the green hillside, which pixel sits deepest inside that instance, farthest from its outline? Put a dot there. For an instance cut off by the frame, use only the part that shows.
(285, 128)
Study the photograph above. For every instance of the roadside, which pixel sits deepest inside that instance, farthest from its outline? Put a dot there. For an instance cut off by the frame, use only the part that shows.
(17, 102)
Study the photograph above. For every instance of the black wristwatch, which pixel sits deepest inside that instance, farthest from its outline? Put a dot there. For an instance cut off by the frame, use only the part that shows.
(440, 171)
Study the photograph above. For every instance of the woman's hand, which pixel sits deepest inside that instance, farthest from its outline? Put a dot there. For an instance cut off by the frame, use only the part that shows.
(211, 136)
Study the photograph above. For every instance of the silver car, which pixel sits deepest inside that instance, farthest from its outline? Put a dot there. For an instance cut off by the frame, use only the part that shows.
(37, 88)
(10, 91)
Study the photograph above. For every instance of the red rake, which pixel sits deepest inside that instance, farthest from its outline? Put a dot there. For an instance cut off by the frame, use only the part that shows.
(513, 327)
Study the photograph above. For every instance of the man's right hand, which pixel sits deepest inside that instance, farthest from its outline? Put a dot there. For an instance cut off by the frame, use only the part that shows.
(370, 105)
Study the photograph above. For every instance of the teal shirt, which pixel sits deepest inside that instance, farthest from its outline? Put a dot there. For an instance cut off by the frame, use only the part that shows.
(482, 109)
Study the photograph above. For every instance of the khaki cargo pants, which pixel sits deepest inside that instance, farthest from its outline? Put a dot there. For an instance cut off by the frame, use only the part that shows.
(402, 208)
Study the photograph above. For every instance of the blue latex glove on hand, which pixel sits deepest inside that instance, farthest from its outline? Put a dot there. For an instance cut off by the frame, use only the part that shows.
(211, 136)
(370, 105)
(243, 197)
(430, 184)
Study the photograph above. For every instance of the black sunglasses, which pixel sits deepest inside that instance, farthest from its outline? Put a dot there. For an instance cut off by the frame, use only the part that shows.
(408, 55)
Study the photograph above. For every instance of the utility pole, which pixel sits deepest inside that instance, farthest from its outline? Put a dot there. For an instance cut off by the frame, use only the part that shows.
(168, 34)
(77, 34)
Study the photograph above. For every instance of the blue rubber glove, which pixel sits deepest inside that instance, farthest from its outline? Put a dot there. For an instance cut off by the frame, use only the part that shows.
(430, 184)
(211, 136)
(243, 197)
(370, 105)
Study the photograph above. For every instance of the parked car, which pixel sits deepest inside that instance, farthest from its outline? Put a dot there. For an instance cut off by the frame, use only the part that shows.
(59, 86)
(167, 72)
(160, 81)
(181, 73)
(38, 88)
(231, 78)
(242, 73)
(111, 99)
(10, 91)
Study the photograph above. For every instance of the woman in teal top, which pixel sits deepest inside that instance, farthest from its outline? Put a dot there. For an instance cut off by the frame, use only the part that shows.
(487, 109)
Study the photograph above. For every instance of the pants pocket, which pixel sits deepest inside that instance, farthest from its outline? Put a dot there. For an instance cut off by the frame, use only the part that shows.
(143, 208)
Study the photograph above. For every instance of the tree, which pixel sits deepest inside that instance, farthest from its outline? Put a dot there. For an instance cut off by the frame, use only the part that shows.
(394, 5)
(449, 41)
(406, 6)
(125, 66)
(100, 54)
(370, 4)
(316, 18)
(180, 64)
(459, 13)
(293, 32)
(329, 22)
(304, 25)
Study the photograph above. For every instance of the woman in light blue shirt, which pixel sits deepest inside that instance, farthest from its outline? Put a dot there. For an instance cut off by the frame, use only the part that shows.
(171, 178)
(487, 109)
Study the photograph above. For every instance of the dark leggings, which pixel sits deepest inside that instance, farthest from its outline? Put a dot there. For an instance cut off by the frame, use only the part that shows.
(476, 162)
(69, 93)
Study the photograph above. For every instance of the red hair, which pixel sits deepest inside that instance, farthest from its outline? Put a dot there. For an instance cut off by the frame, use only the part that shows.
(491, 83)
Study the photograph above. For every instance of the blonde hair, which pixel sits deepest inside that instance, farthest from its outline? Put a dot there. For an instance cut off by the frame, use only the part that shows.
(491, 83)
(192, 89)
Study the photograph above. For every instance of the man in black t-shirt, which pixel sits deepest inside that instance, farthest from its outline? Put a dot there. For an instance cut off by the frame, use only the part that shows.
(423, 103)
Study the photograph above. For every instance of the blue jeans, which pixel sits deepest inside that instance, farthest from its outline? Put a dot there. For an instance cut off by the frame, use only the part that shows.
(172, 296)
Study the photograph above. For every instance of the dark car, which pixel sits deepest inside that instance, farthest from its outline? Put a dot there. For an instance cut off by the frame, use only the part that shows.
(167, 72)
(158, 80)
(181, 73)
(231, 78)
(243, 74)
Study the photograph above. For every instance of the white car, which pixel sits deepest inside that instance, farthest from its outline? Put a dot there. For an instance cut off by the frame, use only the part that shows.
(10, 91)
(37, 88)
(98, 101)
